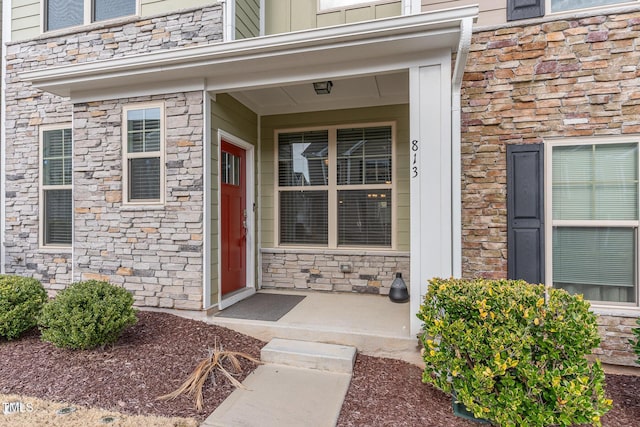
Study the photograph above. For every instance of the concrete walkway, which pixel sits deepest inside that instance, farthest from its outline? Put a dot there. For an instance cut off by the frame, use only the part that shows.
(301, 384)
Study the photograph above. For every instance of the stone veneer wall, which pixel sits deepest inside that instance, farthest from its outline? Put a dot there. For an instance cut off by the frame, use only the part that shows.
(524, 84)
(370, 272)
(153, 251)
(123, 245)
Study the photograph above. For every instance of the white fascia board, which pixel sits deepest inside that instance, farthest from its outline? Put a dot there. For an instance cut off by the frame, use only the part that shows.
(238, 61)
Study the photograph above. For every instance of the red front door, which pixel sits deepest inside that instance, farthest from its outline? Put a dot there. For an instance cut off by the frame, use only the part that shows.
(234, 218)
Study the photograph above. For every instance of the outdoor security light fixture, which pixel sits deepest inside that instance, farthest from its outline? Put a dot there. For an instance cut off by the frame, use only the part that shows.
(323, 88)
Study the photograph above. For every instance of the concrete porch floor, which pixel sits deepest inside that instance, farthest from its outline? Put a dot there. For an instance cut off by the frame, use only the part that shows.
(371, 323)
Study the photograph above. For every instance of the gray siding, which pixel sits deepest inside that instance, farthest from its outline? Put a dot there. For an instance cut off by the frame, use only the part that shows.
(247, 19)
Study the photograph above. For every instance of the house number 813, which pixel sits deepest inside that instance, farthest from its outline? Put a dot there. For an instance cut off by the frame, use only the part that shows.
(414, 166)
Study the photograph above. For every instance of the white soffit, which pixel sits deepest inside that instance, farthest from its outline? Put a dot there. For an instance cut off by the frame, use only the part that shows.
(364, 48)
(363, 91)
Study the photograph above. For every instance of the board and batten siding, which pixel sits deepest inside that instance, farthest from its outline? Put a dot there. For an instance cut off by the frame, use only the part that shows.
(283, 16)
(228, 115)
(360, 116)
(247, 19)
(492, 12)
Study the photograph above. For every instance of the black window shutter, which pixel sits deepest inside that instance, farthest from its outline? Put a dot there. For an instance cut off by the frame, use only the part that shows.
(524, 9)
(525, 212)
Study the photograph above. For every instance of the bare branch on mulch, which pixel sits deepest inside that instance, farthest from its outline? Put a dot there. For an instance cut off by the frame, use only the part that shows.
(206, 368)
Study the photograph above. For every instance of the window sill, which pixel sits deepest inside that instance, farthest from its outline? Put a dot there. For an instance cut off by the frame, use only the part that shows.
(55, 249)
(617, 311)
(345, 251)
(143, 207)
(96, 25)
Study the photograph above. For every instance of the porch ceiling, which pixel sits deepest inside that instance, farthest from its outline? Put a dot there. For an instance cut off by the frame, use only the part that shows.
(363, 49)
(363, 91)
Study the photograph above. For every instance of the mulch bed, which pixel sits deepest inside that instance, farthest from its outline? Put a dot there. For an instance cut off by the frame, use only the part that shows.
(151, 358)
(156, 355)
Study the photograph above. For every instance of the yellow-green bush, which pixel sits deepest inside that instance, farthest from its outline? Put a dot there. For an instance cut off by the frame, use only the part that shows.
(511, 355)
(636, 343)
(86, 315)
(21, 299)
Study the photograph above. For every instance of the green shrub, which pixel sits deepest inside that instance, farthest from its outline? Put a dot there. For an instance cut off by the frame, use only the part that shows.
(636, 343)
(511, 357)
(86, 315)
(21, 299)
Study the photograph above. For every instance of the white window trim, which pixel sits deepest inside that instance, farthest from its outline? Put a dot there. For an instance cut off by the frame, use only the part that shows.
(88, 12)
(601, 307)
(126, 155)
(42, 189)
(332, 188)
(548, 12)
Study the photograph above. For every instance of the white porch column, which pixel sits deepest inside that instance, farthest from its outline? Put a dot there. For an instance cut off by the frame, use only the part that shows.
(430, 169)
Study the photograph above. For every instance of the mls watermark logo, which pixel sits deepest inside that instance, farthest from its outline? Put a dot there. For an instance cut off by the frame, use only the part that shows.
(16, 408)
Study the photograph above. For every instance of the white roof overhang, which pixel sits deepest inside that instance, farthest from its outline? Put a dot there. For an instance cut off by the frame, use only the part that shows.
(348, 50)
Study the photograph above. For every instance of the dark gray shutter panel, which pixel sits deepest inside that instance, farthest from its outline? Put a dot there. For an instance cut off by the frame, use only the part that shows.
(524, 9)
(525, 212)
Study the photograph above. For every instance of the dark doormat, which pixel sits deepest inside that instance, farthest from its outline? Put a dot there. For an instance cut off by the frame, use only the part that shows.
(270, 307)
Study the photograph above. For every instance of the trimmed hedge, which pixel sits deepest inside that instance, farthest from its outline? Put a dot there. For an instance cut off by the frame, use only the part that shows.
(86, 315)
(511, 354)
(21, 300)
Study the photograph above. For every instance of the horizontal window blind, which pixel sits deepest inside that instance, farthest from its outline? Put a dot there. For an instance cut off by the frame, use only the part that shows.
(144, 178)
(589, 258)
(56, 157)
(364, 217)
(352, 168)
(564, 5)
(595, 182)
(303, 158)
(144, 153)
(58, 217)
(364, 155)
(64, 13)
(108, 9)
(304, 217)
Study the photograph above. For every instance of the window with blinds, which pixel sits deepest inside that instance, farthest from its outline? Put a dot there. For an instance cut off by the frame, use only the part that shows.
(335, 187)
(564, 5)
(595, 220)
(56, 198)
(70, 13)
(143, 148)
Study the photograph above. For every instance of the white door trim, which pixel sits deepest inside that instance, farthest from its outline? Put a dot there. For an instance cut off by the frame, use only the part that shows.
(250, 288)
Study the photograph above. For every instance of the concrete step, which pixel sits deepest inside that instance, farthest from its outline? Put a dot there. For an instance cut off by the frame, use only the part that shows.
(310, 355)
(283, 396)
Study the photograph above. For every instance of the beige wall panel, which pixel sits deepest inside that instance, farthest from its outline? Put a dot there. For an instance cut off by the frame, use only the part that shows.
(277, 16)
(388, 10)
(359, 14)
(398, 113)
(293, 15)
(303, 14)
(330, 19)
(492, 12)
